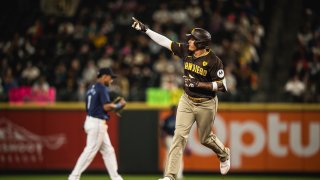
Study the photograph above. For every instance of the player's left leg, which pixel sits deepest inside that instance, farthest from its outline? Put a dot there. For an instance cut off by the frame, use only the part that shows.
(204, 119)
(109, 156)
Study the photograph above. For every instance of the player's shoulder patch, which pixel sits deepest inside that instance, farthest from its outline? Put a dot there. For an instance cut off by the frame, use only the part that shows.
(220, 73)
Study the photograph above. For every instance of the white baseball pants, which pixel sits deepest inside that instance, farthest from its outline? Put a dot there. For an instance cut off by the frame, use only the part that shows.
(97, 140)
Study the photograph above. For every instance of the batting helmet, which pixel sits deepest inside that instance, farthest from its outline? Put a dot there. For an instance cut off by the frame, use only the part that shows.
(202, 38)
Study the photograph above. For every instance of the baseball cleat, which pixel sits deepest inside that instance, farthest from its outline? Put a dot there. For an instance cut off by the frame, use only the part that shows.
(225, 166)
(165, 178)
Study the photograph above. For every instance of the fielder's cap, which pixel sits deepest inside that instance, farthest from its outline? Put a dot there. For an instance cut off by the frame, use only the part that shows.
(106, 71)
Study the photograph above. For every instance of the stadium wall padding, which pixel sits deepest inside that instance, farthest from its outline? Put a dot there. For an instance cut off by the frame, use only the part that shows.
(263, 138)
(138, 140)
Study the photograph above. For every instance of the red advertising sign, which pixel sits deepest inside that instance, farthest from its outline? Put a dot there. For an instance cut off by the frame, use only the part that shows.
(43, 139)
(274, 141)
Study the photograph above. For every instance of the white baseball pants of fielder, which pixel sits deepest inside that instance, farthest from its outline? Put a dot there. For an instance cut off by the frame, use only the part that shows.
(97, 140)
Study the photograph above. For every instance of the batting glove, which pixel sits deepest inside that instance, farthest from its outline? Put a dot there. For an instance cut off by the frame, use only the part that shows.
(138, 25)
(190, 82)
(222, 85)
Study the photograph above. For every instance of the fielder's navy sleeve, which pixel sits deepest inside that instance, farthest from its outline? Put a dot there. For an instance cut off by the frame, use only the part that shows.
(104, 96)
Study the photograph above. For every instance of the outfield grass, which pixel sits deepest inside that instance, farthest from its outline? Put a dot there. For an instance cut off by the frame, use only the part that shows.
(153, 177)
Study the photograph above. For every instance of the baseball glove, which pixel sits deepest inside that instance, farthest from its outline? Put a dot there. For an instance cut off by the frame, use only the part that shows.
(118, 111)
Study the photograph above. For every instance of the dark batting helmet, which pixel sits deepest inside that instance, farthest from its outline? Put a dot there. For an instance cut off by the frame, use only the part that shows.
(202, 38)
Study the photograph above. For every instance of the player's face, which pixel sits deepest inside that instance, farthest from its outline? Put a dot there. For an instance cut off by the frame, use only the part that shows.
(192, 47)
(107, 80)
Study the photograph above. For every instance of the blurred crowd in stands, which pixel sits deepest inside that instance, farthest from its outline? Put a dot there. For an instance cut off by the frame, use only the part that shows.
(65, 52)
(304, 82)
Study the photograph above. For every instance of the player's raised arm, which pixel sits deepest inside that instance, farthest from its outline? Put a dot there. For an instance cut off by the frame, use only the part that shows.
(156, 37)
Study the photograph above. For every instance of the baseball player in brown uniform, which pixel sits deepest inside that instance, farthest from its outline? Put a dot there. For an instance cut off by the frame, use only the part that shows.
(203, 77)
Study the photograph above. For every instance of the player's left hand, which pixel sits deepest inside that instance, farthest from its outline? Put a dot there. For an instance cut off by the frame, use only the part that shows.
(222, 85)
(123, 103)
(190, 82)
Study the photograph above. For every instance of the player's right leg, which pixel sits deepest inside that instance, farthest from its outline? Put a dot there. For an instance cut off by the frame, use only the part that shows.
(168, 142)
(94, 141)
(184, 122)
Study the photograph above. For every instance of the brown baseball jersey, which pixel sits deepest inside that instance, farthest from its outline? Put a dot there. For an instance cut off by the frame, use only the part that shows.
(206, 68)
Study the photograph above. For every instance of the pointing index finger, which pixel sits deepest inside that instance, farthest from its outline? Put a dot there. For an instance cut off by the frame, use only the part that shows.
(133, 18)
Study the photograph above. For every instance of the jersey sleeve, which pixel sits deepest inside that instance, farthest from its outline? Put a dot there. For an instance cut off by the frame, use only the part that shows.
(181, 50)
(217, 72)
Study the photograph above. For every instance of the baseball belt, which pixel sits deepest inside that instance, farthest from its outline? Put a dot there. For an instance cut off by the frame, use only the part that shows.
(198, 100)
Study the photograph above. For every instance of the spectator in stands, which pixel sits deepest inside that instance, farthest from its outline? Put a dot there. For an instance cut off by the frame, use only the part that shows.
(162, 15)
(60, 76)
(30, 73)
(68, 93)
(295, 89)
(258, 31)
(306, 65)
(232, 94)
(9, 82)
(81, 92)
(2, 94)
(36, 30)
(60, 47)
(74, 71)
(89, 72)
(40, 90)
(194, 10)
(122, 85)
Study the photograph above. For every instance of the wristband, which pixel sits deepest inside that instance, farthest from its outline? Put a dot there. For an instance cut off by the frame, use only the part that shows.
(118, 106)
(214, 86)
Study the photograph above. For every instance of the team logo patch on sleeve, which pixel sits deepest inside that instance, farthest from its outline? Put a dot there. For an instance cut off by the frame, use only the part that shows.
(220, 73)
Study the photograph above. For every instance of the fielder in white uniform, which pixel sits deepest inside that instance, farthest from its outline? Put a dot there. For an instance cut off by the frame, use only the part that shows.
(98, 103)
